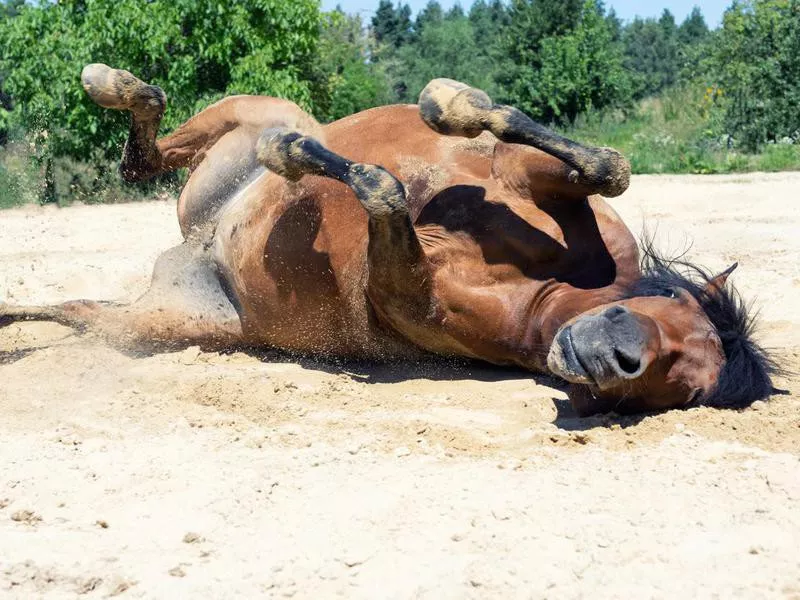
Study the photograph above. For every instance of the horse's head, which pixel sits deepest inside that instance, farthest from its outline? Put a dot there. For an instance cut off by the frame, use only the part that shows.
(677, 337)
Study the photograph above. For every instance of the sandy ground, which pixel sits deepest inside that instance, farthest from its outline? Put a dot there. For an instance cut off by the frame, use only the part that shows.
(194, 474)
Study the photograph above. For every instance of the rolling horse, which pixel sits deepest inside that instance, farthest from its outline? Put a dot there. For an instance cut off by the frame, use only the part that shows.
(455, 227)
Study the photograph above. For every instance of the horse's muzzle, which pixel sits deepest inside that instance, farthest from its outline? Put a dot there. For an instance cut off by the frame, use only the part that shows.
(601, 350)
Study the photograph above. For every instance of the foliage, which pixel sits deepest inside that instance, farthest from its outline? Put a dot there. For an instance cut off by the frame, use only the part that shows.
(345, 80)
(197, 51)
(392, 26)
(659, 53)
(675, 97)
(677, 133)
(757, 65)
(580, 70)
(444, 48)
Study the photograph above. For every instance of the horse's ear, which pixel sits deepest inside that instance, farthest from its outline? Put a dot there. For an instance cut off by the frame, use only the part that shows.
(715, 285)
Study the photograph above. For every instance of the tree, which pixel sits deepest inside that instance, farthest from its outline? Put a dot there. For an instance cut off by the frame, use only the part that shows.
(488, 18)
(392, 26)
(197, 51)
(432, 14)
(614, 25)
(530, 23)
(449, 48)
(562, 59)
(652, 52)
(694, 29)
(756, 66)
(8, 10)
(581, 70)
(455, 13)
(346, 81)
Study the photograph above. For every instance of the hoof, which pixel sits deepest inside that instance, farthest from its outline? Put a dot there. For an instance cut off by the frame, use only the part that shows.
(277, 150)
(614, 176)
(120, 90)
(454, 108)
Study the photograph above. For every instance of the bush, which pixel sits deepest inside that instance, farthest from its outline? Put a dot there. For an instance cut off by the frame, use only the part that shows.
(197, 51)
(757, 64)
(680, 133)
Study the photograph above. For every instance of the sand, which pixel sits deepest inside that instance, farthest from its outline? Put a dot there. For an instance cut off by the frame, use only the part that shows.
(205, 475)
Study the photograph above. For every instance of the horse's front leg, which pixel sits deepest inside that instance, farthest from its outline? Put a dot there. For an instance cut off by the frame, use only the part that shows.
(398, 284)
(453, 108)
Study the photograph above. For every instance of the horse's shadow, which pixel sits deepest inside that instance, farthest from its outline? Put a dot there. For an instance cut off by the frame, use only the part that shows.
(569, 420)
(433, 368)
(437, 368)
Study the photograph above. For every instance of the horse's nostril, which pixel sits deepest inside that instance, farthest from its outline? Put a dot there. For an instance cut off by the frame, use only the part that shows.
(627, 364)
(615, 311)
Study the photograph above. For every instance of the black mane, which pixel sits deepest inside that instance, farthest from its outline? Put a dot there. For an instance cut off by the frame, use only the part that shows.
(747, 374)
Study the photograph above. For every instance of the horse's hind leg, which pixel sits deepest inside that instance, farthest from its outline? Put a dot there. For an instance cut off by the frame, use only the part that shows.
(186, 305)
(217, 144)
(119, 90)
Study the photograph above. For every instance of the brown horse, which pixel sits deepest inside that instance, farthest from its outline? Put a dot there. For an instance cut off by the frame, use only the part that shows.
(481, 235)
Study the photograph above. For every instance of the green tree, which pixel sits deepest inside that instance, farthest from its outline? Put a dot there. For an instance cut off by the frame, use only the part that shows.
(652, 52)
(694, 29)
(572, 66)
(455, 13)
(449, 48)
(392, 26)
(198, 51)
(488, 19)
(8, 10)
(431, 14)
(581, 71)
(756, 66)
(346, 81)
(530, 23)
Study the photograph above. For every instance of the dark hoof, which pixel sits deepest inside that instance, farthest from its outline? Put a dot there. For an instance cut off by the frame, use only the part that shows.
(276, 150)
(614, 173)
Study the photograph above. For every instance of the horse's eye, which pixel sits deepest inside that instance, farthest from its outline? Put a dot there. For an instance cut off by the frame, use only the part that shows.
(669, 293)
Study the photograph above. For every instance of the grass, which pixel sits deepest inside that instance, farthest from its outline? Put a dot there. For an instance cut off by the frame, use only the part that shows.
(26, 179)
(675, 133)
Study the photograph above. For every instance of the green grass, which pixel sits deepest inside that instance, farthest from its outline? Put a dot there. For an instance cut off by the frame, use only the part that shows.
(23, 180)
(676, 133)
(20, 181)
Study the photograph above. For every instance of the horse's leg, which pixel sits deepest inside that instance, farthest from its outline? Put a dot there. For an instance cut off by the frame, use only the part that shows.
(453, 108)
(185, 305)
(398, 275)
(222, 141)
(119, 90)
(217, 145)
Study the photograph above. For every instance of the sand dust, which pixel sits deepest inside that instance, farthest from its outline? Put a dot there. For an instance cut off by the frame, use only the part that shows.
(196, 474)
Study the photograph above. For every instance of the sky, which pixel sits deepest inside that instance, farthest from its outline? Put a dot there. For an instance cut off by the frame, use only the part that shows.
(626, 9)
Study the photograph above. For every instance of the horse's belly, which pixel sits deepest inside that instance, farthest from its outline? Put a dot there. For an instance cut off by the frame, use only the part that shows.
(293, 256)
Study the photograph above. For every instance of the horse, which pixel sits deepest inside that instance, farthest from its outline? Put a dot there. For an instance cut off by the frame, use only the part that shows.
(456, 227)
